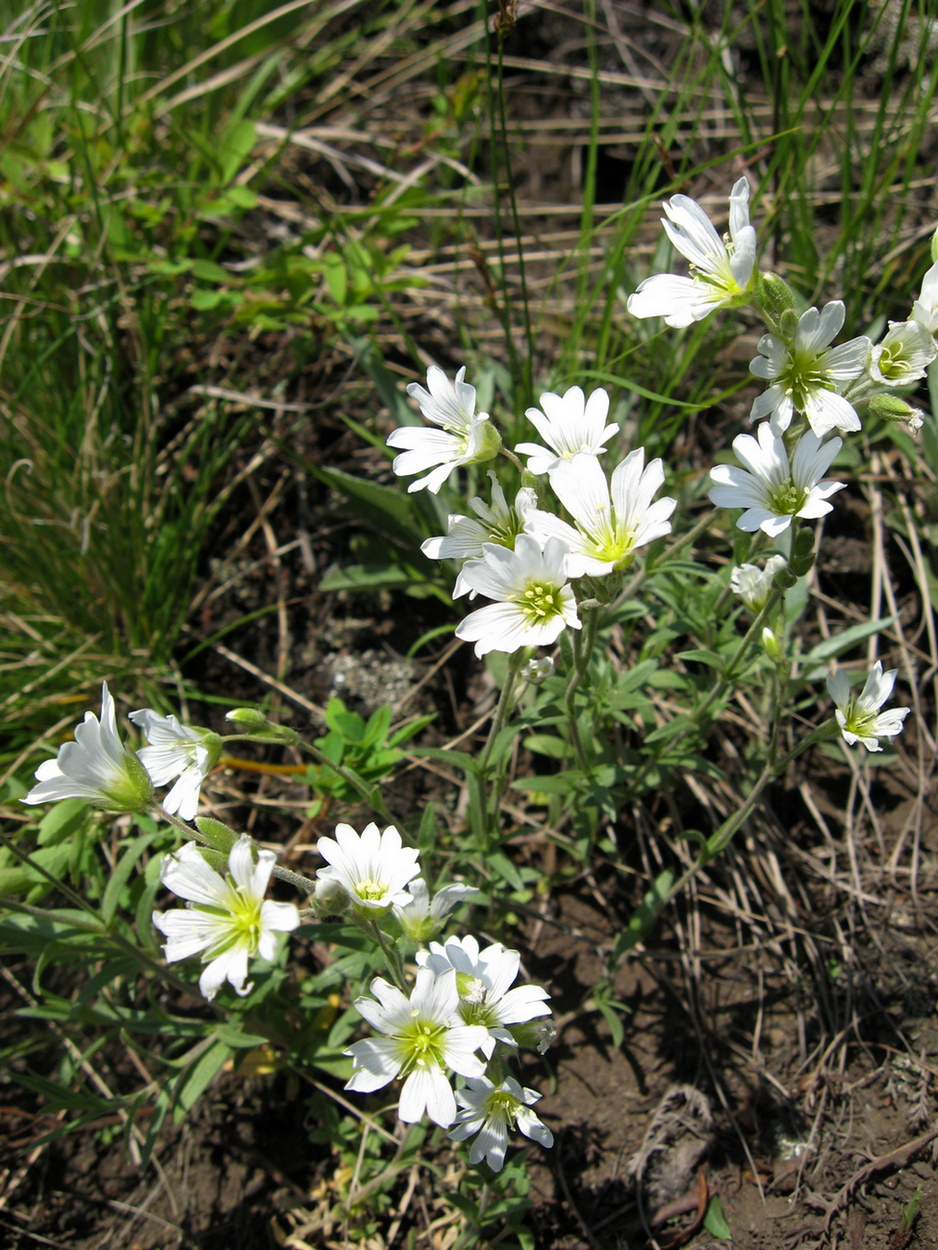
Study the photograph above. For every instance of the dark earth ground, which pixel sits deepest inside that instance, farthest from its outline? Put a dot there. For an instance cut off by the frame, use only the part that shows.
(780, 1040)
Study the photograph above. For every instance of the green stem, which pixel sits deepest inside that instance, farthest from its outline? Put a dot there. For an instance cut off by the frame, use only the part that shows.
(515, 661)
(391, 957)
(195, 835)
(370, 795)
(629, 590)
(582, 652)
(510, 455)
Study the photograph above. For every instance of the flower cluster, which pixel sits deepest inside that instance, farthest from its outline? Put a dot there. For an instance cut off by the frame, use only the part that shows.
(101, 769)
(814, 387)
(524, 556)
(226, 919)
(464, 1015)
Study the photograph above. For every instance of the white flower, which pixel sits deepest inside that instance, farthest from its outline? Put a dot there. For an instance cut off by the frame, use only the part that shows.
(533, 604)
(805, 374)
(904, 354)
(925, 308)
(465, 437)
(611, 524)
(489, 1111)
(570, 425)
(498, 523)
(227, 920)
(723, 272)
(754, 585)
(483, 979)
(422, 918)
(96, 767)
(373, 868)
(177, 750)
(537, 670)
(770, 491)
(423, 1036)
(858, 716)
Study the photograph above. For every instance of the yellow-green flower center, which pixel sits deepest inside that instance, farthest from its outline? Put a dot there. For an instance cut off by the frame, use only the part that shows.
(787, 499)
(860, 720)
(893, 363)
(539, 602)
(802, 376)
(503, 1106)
(423, 1044)
(370, 891)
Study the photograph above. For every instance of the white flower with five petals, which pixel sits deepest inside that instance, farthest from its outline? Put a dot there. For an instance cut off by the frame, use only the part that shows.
(754, 585)
(488, 1112)
(570, 425)
(498, 523)
(226, 920)
(422, 1037)
(611, 521)
(805, 374)
(858, 716)
(180, 751)
(373, 869)
(422, 917)
(534, 602)
(484, 980)
(771, 491)
(723, 271)
(904, 354)
(96, 767)
(464, 437)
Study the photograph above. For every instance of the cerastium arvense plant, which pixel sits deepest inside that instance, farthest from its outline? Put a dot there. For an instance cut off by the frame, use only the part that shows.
(570, 531)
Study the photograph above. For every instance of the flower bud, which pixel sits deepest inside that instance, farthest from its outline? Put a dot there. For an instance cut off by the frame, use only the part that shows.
(331, 898)
(772, 647)
(788, 325)
(535, 1034)
(802, 552)
(537, 671)
(892, 408)
(255, 724)
(249, 718)
(754, 585)
(487, 443)
(777, 294)
(934, 246)
(217, 835)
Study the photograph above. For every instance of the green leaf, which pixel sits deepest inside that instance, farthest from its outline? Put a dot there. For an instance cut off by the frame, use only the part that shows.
(843, 641)
(61, 820)
(199, 1077)
(712, 659)
(234, 148)
(386, 508)
(466, 763)
(121, 874)
(547, 744)
(505, 869)
(615, 1023)
(715, 1221)
(645, 916)
(366, 577)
